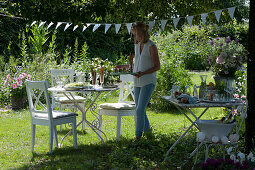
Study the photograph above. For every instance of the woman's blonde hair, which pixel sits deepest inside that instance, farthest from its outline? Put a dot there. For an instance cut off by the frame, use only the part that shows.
(142, 28)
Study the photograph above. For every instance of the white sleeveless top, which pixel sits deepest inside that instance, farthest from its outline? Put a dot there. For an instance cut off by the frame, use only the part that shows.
(143, 62)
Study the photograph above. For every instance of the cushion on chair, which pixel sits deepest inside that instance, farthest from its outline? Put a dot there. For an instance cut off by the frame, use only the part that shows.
(117, 106)
(64, 99)
(55, 114)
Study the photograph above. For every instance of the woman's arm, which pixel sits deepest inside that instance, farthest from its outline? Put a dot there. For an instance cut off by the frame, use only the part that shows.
(155, 60)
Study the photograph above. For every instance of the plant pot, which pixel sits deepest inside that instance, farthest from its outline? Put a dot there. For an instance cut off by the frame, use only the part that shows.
(18, 102)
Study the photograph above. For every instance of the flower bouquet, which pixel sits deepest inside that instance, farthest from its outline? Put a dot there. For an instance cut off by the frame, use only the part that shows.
(227, 56)
(17, 89)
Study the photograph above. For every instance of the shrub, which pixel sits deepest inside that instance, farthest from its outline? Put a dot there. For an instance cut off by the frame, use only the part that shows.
(172, 70)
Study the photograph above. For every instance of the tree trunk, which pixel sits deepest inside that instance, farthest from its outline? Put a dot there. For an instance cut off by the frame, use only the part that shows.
(250, 121)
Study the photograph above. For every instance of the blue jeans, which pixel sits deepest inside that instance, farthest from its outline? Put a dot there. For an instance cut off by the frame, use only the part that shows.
(142, 98)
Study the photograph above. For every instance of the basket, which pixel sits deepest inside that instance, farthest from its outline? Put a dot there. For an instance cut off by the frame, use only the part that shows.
(214, 128)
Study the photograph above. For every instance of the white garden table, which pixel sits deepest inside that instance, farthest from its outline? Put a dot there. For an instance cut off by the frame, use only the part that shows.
(183, 107)
(94, 125)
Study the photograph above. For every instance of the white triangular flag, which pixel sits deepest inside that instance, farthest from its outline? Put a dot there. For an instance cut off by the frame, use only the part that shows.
(32, 23)
(75, 27)
(231, 12)
(51, 23)
(163, 24)
(217, 14)
(107, 26)
(203, 17)
(58, 24)
(175, 21)
(41, 24)
(117, 28)
(190, 18)
(85, 27)
(67, 26)
(96, 26)
(151, 25)
(129, 25)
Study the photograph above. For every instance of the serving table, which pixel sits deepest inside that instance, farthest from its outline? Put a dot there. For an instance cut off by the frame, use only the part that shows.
(187, 107)
(94, 124)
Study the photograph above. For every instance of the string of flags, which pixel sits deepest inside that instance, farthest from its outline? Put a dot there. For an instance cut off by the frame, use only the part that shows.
(163, 23)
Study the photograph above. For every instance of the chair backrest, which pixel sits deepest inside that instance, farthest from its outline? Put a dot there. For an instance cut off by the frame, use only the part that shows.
(126, 87)
(64, 75)
(38, 98)
(242, 110)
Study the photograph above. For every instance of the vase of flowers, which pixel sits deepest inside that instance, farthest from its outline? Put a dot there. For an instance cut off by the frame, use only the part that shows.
(227, 56)
(16, 86)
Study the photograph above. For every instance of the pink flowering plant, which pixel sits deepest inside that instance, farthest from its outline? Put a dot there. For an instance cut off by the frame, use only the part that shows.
(227, 56)
(16, 84)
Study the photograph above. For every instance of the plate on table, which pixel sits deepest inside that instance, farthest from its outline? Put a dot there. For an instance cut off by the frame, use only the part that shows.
(110, 86)
(77, 86)
(119, 73)
(73, 88)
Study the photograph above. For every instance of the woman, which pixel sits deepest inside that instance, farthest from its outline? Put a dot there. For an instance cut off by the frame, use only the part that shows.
(146, 64)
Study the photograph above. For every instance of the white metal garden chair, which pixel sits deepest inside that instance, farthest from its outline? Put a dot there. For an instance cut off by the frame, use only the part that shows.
(59, 100)
(232, 138)
(123, 107)
(42, 114)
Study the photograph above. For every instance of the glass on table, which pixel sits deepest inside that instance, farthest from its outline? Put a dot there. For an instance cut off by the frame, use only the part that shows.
(101, 75)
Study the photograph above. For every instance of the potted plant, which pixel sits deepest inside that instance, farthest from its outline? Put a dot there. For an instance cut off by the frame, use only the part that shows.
(16, 85)
(227, 56)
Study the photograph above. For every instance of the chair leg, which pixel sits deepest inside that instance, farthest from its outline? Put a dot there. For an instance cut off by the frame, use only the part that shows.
(118, 127)
(32, 137)
(207, 146)
(60, 126)
(83, 118)
(223, 150)
(50, 138)
(75, 134)
(55, 136)
(196, 154)
(100, 125)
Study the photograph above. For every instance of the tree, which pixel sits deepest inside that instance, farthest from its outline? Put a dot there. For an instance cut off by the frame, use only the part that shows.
(250, 121)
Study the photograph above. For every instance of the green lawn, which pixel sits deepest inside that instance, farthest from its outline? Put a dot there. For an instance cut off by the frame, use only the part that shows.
(147, 153)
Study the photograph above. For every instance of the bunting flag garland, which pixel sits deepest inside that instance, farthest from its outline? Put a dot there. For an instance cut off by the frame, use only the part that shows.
(67, 26)
(129, 25)
(96, 26)
(117, 28)
(151, 24)
(176, 20)
(32, 23)
(75, 27)
(107, 26)
(190, 18)
(58, 24)
(203, 17)
(231, 12)
(41, 24)
(51, 23)
(163, 24)
(85, 27)
(217, 14)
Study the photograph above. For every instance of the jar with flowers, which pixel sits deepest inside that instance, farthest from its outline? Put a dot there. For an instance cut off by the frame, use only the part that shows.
(16, 86)
(226, 57)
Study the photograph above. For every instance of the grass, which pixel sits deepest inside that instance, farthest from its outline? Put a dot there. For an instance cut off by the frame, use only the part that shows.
(147, 153)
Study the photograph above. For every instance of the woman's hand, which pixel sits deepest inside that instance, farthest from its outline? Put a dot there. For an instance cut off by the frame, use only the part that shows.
(139, 74)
